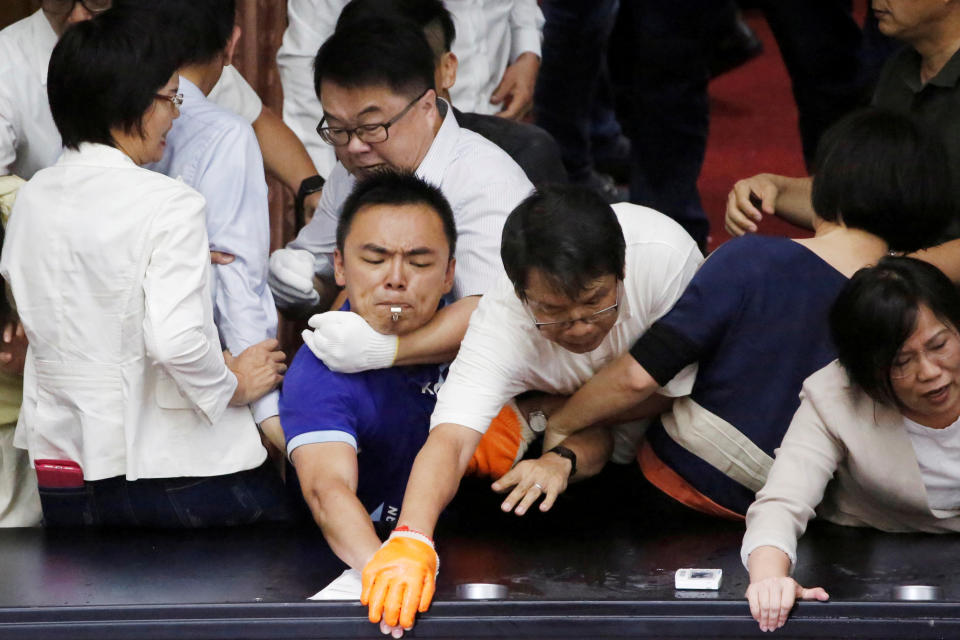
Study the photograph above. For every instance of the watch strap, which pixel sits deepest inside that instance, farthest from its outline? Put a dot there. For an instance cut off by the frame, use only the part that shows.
(564, 452)
(307, 186)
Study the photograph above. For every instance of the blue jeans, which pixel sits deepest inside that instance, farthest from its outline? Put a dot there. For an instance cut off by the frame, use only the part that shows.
(245, 497)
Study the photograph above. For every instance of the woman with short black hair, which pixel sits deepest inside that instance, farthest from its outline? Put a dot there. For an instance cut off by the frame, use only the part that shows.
(131, 414)
(875, 440)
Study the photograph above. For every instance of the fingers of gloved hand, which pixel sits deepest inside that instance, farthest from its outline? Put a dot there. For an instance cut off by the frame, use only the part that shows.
(293, 267)
(315, 342)
(393, 600)
(376, 594)
(426, 595)
(410, 603)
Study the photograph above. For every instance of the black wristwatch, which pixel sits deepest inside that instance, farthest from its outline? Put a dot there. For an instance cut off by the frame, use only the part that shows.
(563, 452)
(308, 186)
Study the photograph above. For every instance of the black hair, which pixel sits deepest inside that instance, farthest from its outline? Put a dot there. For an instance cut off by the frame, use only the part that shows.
(568, 233)
(881, 172)
(429, 15)
(200, 29)
(876, 312)
(385, 52)
(396, 188)
(105, 73)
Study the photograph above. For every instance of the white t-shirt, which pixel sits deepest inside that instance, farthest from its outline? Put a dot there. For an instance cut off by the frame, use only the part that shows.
(503, 354)
(938, 455)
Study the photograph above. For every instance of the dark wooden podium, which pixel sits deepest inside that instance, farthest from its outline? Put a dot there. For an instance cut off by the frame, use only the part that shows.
(595, 567)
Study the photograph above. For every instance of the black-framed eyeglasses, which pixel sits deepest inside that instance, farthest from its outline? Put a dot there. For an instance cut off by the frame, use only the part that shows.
(369, 133)
(559, 326)
(176, 99)
(63, 7)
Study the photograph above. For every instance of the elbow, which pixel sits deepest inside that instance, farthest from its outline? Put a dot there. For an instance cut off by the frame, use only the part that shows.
(634, 379)
(180, 349)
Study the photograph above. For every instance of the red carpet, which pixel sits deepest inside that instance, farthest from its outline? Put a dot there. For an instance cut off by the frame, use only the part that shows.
(753, 129)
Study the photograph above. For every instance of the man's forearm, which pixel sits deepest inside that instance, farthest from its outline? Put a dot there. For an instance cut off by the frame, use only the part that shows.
(593, 447)
(794, 200)
(283, 154)
(438, 340)
(436, 475)
(345, 524)
(616, 388)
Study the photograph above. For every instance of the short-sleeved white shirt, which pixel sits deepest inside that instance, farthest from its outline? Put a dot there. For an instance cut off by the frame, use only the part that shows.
(503, 354)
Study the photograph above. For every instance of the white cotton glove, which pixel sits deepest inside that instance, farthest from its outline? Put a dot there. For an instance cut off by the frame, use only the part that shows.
(291, 278)
(346, 343)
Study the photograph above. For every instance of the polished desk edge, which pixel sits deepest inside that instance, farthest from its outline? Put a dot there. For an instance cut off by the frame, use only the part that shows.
(509, 619)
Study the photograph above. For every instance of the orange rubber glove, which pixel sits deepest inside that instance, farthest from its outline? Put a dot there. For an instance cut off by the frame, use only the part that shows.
(400, 578)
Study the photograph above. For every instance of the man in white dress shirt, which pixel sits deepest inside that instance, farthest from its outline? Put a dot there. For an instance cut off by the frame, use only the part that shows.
(497, 49)
(381, 111)
(215, 152)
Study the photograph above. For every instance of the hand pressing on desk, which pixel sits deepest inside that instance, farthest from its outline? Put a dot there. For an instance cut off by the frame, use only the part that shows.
(772, 593)
(546, 476)
(399, 580)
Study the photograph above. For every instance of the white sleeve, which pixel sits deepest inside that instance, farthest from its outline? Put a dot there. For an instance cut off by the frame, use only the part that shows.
(526, 28)
(489, 369)
(234, 93)
(175, 290)
(310, 23)
(238, 222)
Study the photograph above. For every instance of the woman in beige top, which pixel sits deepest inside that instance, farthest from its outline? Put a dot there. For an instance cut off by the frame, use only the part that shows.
(894, 390)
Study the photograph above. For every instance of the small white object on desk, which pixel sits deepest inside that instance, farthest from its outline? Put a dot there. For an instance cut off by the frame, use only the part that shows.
(345, 587)
(700, 579)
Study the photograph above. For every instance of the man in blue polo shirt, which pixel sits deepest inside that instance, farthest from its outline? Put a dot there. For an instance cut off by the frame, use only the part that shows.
(353, 437)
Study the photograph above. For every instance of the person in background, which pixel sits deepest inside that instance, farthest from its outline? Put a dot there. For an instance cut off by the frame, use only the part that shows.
(875, 440)
(531, 147)
(215, 152)
(28, 136)
(498, 52)
(922, 80)
(132, 415)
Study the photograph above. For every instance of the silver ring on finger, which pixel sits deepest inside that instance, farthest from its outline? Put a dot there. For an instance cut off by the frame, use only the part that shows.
(538, 485)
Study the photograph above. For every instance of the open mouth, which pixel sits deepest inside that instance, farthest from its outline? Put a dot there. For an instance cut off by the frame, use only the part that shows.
(937, 395)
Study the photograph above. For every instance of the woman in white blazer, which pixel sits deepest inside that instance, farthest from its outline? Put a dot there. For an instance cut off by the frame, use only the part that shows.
(131, 414)
(876, 440)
